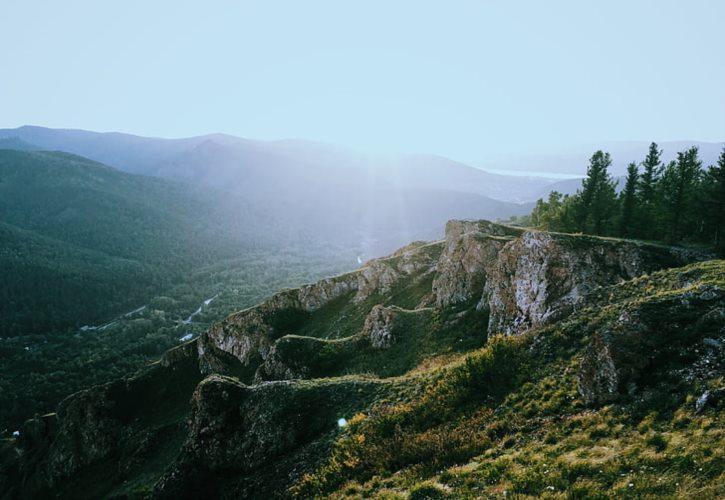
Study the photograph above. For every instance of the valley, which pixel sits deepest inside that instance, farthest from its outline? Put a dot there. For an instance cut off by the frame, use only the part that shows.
(362, 250)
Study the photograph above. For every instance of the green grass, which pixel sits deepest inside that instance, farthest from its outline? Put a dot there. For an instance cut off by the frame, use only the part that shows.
(509, 419)
(339, 318)
(419, 335)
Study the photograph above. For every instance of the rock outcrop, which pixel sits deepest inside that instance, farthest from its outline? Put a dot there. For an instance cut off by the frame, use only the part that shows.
(378, 328)
(541, 277)
(278, 365)
(249, 335)
(127, 417)
(235, 428)
(297, 357)
(529, 278)
(469, 256)
(521, 278)
(679, 331)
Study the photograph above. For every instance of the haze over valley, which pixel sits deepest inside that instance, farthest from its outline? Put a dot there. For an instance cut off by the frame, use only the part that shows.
(337, 250)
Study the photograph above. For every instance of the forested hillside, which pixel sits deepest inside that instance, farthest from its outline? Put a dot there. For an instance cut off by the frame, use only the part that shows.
(82, 241)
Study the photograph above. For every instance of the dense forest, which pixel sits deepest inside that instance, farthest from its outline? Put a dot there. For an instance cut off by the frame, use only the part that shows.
(83, 242)
(679, 202)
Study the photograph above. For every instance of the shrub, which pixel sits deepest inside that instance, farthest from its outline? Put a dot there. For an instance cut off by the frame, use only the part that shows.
(427, 491)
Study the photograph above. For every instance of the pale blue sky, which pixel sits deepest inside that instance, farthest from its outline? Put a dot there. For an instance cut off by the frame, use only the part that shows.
(461, 78)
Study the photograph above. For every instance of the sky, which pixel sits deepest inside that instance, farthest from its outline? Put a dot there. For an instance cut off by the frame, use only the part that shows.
(466, 79)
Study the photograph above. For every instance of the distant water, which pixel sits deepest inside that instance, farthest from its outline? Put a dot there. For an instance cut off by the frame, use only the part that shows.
(532, 173)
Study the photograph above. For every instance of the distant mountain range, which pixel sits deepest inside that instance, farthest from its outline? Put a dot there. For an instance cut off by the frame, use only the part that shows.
(307, 190)
(250, 167)
(240, 164)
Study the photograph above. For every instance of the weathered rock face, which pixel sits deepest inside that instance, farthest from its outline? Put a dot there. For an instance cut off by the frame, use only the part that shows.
(678, 332)
(278, 366)
(541, 277)
(239, 428)
(379, 327)
(86, 429)
(244, 335)
(181, 354)
(523, 278)
(470, 254)
(249, 335)
(379, 276)
(107, 423)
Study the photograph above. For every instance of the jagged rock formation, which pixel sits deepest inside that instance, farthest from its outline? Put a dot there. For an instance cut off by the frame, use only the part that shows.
(115, 426)
(378, 326)
(522, 278)
(676, 331)
(299, 359)
(540, 277)
(249, 335)
(470, 255)
(239, 428)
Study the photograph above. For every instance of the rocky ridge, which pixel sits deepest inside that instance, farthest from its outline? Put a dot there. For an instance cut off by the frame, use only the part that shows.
(484, 277)
(521, 278)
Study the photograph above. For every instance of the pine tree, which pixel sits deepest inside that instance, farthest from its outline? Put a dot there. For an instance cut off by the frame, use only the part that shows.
(715, 202)
(553, 214)
(647, 191)
(678, 188)
(628, 202)
(597, 199)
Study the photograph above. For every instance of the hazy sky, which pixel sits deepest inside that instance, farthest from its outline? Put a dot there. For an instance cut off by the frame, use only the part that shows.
(461, 78)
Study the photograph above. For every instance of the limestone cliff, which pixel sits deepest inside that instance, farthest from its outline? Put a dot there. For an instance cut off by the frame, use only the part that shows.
(250, 334)
(379, 326)
(520, 278)
(541, 277)
(469, 256)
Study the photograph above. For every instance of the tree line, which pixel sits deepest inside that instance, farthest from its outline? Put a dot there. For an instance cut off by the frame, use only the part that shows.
(675, 202)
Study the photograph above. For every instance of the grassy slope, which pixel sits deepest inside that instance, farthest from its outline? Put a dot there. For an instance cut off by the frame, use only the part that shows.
(509, 419)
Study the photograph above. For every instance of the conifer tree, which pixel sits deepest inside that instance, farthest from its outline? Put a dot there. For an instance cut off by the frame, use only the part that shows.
(679, 184)
(647, 192)
(715, 202)
(596, 200)
(628, 202)
(553, 214)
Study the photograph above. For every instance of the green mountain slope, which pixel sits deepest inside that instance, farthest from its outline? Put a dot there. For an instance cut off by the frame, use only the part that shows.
(82, 241)
(50, 284)
(497, 360)
(538, 415)
(93, 206)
